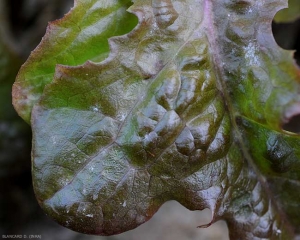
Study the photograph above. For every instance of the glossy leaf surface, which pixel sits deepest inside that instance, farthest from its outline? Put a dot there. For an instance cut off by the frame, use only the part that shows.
(190, 105)
(87, 26)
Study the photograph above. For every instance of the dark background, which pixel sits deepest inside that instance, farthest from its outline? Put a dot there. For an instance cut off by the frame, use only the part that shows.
(22, 25)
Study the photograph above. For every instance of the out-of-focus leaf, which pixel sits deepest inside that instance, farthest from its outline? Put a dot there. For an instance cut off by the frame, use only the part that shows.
(289, 14)
(80, 36)
(190, 106)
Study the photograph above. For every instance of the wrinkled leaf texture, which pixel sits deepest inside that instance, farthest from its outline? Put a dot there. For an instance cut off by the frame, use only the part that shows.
(189, 106)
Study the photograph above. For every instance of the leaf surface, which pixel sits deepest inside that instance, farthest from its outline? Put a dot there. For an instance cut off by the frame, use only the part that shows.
(87, 26)
(289, 14)
(191, 106)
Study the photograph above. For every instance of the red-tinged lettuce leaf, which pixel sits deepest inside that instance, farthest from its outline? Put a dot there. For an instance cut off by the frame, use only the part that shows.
(80, 36)
(289, 14)
(189, 106)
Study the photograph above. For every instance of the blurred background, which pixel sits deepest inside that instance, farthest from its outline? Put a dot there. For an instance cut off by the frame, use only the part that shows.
(22, 25)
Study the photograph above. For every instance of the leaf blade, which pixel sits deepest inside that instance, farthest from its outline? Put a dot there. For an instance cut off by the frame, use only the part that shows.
(173, 122)
(62, 44)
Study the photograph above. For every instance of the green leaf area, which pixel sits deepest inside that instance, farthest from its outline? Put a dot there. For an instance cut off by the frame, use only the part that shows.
(190, 105)
(289, 14)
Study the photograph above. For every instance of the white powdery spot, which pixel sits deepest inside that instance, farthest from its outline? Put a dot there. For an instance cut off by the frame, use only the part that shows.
(140, 219)
(251, 54)
(121, 117)
(90, 215)
(260, 4)
(124, 204)
(95, 109)
(84, 192)
(91, 168)
(95, 196)
(53, 139)
(82, 208)
(64, 181)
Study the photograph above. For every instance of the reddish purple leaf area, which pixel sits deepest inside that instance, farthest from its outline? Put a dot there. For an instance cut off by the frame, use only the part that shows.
(188, 106)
